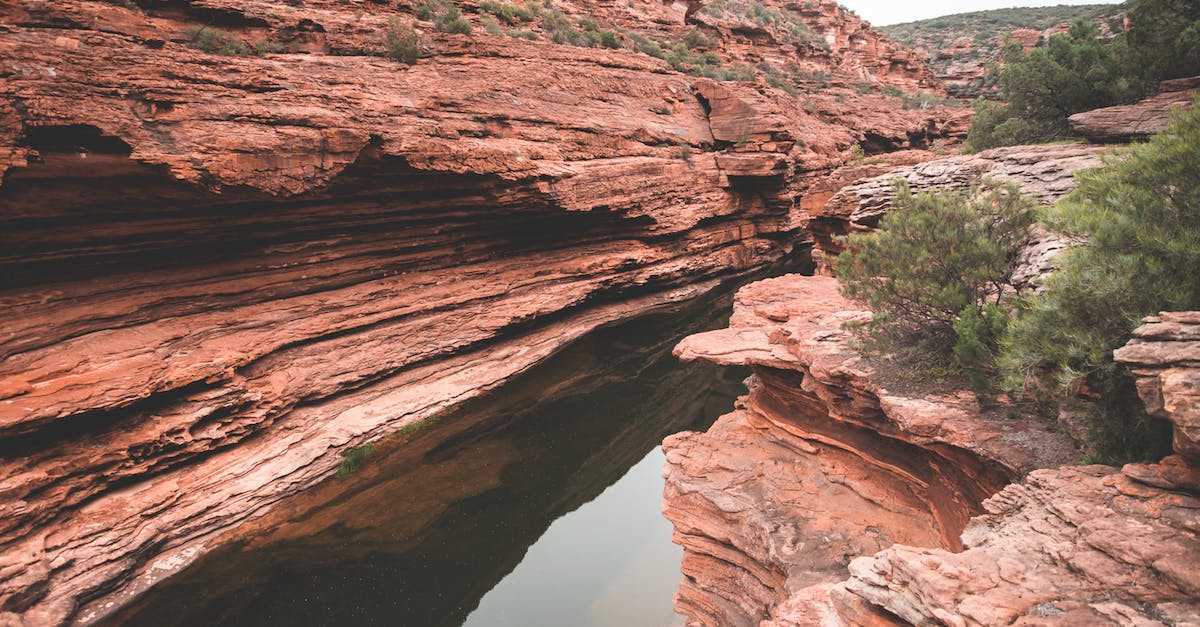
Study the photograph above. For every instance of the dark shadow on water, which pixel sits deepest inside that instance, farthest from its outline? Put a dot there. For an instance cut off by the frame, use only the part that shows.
(429, 526)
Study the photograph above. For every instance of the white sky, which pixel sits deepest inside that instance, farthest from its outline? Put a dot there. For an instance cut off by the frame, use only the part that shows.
(884, 12)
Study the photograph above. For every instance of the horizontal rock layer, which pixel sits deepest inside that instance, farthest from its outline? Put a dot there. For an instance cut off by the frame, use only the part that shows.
(822, 463)
(1075, 545)
(1139, 120)
(219, 273)
(438, 517)
(209, 371)
(1071, 546)
(1043, 173)
(767, 503)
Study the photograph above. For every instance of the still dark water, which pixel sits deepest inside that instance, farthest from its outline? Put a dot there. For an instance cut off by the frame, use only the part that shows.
(536, 505)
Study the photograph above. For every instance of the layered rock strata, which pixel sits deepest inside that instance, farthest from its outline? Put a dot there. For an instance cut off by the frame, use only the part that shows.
(822, 463)
(220, 273)
(439, 516)
(1043, 173)
(1124, 123)
(1075, 545)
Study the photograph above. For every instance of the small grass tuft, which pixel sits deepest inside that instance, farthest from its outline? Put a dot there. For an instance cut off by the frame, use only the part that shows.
(355, 459)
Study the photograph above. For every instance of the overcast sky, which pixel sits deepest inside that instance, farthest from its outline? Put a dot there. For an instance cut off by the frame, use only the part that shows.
(884, 12)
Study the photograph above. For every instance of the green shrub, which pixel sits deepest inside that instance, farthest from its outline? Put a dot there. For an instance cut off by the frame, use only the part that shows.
(697, 39)
(1165, 39)
(401, 42)
(1074, 72)
(1140, 215)
(491, 25)
(453, 22)
(934, 258)
(511, 14)
(427, 11)
(644, 45)
(216, 41)
(978, 332)
(589, 35)
(607, 39)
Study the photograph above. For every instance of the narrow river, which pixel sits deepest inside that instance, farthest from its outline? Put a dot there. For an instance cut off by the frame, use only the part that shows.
(536, 505)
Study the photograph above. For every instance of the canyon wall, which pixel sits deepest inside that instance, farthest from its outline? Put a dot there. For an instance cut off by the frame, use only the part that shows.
(221, 273)
(844, 492)
(831, 456)
(846, 489)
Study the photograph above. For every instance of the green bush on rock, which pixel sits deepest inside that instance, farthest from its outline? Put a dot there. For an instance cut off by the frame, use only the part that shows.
(215, 41)
(401, 42)
(937, 258)
(1140, 218)
(1074, 72)
(453, 22)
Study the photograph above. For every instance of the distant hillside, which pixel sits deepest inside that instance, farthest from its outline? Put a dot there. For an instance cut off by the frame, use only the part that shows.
(959, 46)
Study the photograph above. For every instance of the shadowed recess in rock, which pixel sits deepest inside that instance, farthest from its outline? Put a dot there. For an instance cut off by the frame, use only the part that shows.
(426, 528)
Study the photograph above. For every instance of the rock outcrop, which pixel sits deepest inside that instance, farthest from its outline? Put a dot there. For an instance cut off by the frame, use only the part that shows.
(1044, 173)
(220, 273)
(1165, 355)
(1075, 545)
(823, 462)
(1079, 545)
(1124, 123)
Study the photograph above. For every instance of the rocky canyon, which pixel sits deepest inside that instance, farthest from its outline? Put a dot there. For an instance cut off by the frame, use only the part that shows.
(844, 490)
(242, 241)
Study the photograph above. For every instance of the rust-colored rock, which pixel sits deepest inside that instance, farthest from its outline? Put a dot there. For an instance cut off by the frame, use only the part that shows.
(1125, 123)
(1044, 173)
(1165, 355)
(1069, 545)
(221, 273)
(822, 463)
(1027, 37)
(1073, 546)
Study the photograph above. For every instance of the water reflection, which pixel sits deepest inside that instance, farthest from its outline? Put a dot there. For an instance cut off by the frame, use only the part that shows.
(428, 527)
(610, 562)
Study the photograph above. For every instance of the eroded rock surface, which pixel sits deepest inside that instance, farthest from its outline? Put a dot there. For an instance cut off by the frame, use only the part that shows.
(1075, 545)
(1071, 546)
(1139, 120)
(768, 501)
(822, 463)
(1044, 173)
(220, 273)
(1165, 355)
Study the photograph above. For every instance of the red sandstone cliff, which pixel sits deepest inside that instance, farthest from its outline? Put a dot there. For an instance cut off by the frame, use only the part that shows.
(782, 505)
(824, 462)
(221, 273)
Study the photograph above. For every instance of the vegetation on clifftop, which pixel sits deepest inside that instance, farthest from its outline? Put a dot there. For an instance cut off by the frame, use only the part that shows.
(989, 29)
(1081, 70)
(936, 274)
(1139, 217)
